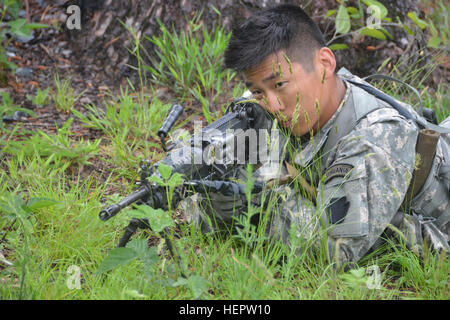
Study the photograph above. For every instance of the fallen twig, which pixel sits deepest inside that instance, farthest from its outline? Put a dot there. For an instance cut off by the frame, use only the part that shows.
(27, 11)
(47, 51)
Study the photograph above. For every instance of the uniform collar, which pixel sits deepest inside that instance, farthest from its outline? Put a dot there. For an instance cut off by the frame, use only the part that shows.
(311, 147)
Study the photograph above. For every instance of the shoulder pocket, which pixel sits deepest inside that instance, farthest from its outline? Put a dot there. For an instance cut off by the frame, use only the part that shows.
(353, 187)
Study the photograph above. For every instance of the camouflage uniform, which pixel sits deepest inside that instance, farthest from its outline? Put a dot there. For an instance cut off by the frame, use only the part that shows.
(365, 176)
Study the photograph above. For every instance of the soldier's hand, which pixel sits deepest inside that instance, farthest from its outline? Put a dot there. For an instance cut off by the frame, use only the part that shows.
(261, 118)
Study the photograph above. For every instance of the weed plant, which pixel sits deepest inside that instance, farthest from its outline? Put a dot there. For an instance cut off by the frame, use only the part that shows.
(131, 122)
(190, 63)
(8, 108)
(59, 148)
(64, 96)
(41, 97)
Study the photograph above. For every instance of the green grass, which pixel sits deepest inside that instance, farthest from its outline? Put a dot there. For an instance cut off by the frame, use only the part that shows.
(191, 64)
(49, 216)
(130, 122)
(64, 96)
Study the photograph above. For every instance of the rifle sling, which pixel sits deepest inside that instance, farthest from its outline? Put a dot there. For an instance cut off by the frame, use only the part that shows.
(425, 150)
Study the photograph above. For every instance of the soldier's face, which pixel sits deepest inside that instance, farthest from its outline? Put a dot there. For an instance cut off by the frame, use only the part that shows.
(292, 94)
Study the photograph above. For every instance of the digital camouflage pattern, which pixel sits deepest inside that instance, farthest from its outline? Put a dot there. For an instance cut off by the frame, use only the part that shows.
(367, 171)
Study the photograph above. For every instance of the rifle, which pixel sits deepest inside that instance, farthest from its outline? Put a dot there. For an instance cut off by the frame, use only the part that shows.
(200, 175)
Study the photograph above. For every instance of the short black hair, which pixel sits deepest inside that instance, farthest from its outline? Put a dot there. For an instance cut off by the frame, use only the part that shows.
(284, 27)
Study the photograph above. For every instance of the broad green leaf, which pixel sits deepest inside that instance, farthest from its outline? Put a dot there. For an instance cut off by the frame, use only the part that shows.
(13, 7)
(24, 33)
(198, 285)
(358, 273)
(338, 46)
(434, 42)
(148, 256)
(36, 26)
(18, 23)
(165, 171)
(140, 246)
(160, 220)
(156, 180)
(330, 13)
(175, 180)
(134, 213)
(433, 31)
(18, 28)
(413, 16)
(180, 282)
(14, 207)
(387, 33)
(408, 29)
(134, 294)
(342, 20)
(354, 13)
(352, 10)
(379, 11)
(374, 33)
(38, 203)
(157, 218)
(117, 257)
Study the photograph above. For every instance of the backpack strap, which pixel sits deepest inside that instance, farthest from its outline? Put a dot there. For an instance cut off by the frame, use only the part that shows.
(420, 110)
(397, 106)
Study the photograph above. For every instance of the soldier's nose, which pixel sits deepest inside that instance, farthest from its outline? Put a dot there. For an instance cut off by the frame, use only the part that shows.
(274, 103)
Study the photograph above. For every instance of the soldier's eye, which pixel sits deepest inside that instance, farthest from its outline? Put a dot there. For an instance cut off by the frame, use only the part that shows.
(280, 84)
(256, 93)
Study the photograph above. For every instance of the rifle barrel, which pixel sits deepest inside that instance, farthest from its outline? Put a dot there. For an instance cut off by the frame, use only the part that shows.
(112, 210)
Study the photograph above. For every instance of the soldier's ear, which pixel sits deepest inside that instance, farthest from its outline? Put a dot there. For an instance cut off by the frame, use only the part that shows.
(325, 62)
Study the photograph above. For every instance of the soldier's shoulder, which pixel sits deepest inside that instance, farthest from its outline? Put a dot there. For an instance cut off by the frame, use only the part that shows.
(384, 123)
(387, 115)
(386, 129)
(371, 107)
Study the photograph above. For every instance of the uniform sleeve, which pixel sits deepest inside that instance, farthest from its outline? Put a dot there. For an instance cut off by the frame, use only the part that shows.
(365, 183)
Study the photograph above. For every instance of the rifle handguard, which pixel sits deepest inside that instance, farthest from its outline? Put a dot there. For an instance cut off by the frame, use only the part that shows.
(227, 188)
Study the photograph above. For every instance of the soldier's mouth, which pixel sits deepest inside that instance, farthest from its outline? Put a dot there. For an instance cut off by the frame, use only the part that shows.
(285, 123)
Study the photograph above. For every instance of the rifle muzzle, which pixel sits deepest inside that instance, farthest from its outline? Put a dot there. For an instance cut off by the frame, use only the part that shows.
(109, 212)
(112, 210)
